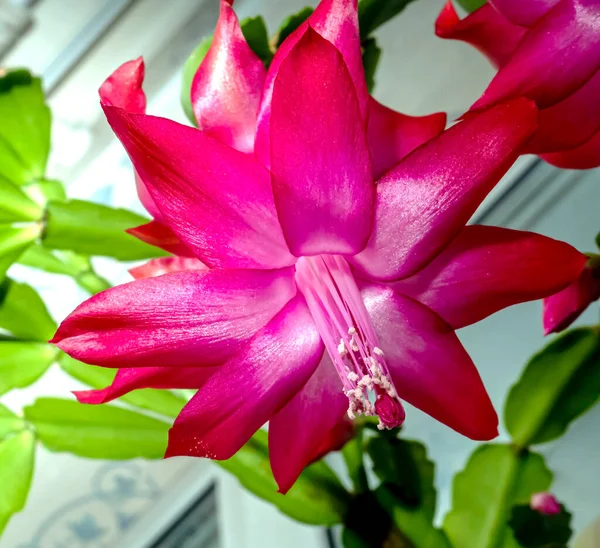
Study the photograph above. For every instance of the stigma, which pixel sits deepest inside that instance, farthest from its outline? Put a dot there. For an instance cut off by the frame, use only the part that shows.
(346, 329)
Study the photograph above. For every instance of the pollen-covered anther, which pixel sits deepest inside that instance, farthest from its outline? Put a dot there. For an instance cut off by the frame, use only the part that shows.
(346, 329)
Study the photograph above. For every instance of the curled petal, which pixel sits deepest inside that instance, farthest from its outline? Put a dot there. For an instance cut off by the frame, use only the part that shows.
(228, 85)
(123, 88)
(321, 170)
(585, 156)
(428, 198)
(166, 265)
(146, 198)
(557, 56)
(429, 366)
(168, 378)
(393, 135)
(337, 22)
(485, 269)
(217, 200)
(571, 122)
(160, 235)
(485, 29)
(250, 388)
(301, 431)
(523, 12)
(562, 309)
(183, 319)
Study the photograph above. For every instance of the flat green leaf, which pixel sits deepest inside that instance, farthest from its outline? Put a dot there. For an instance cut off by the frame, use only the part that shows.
(17, 455)
(560, 383)
(42, 258)
(374, 13)
(25, 128)
(162, 402)
(370, 56)
(92, 282)
(317, 498)
(23, 313)
(533, 529)
(256, 34)
(291, 23)
(44, 190)
(352, 452)
(14, 240)
(96, 431)
(16, 206)
(351, 539)
(67, 263)
(9, 422)
(187, 76)
(471, 5)
(495, 479)
(94, 229)
(407, 491)
(23, 363)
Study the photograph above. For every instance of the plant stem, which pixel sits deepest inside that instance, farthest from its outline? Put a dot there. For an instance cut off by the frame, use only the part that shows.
(353, 457)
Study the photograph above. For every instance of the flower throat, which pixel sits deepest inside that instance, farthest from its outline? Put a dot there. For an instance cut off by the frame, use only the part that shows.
(336, 305)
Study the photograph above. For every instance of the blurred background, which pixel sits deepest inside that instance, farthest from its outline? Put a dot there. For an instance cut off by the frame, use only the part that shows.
(74, 45)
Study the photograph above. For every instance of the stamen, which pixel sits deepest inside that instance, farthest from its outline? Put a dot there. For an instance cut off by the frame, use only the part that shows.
(348, 334)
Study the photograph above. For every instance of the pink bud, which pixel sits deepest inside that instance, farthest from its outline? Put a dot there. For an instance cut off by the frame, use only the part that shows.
(545, 503)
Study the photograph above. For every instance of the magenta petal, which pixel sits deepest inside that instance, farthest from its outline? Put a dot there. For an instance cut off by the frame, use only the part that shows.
(160, 235)
(571, 122)
(558, 55)
(429, 366)
(250, 388)
(183, 319)
(297, 432)
(562, 309)
(217, 200)
(123, 88)
(523, 12)
(166, 265)
(137, 378)
(228, 85)
(428, 198)
(393, 135)
(486, 269)
(337, 22)
(146, 198)
(485, 29)
(321, 170)
(585, 156)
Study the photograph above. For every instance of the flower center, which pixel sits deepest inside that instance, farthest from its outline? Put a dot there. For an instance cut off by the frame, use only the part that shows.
(336, 305)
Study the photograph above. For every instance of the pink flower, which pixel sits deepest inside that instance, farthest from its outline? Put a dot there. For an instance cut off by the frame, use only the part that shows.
(123, 89)
(548, 51)
(326, 295)
(562, 309)
(545, 503)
